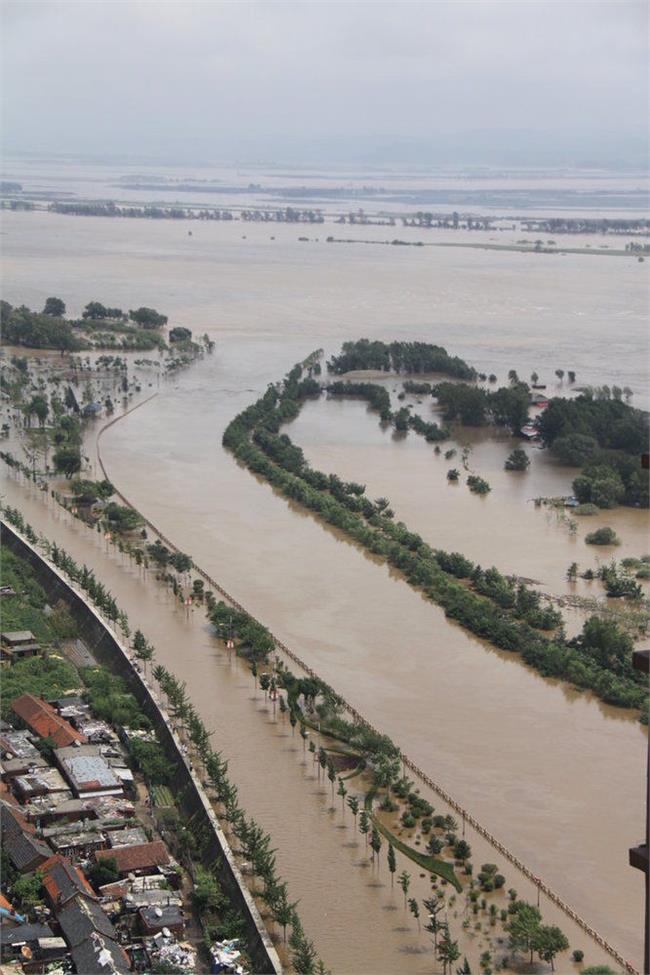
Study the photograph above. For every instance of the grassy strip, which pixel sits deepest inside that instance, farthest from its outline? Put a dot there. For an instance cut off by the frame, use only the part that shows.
(161, 795)
(432, 864)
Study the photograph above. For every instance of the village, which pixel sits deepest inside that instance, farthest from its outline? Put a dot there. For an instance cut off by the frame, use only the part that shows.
(89, 883)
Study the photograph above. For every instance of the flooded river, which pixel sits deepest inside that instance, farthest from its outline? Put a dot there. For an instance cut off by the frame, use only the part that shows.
(555, 774)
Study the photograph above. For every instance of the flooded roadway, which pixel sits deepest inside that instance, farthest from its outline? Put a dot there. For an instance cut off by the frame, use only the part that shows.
(355, 918)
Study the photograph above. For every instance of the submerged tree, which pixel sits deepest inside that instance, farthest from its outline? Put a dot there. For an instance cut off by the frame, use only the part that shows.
(392, 863)
(404, 880)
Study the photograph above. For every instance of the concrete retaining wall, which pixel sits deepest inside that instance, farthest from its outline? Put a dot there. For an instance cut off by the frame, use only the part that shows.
(188, 790)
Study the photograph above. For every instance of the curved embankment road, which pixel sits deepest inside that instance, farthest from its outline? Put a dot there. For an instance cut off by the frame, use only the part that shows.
(438, 789)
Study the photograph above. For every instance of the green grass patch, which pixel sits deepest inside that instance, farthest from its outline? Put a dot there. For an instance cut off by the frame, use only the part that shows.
(50, 676)
(432, 864)
(162, 796)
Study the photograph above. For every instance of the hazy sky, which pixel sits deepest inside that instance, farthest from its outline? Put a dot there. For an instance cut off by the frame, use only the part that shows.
(350, 81)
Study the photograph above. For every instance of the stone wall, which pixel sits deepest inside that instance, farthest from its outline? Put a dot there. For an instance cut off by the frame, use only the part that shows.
(188, 790)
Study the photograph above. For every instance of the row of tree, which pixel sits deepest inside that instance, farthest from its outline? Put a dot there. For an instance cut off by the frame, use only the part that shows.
(475, 406)
(254, 841)
(407, 357)
(252, 435)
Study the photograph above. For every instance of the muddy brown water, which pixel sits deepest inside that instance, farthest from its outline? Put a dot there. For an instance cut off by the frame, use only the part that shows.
(555, 774)
(347, 905)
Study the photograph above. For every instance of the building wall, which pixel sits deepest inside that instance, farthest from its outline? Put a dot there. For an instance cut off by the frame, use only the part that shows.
(190, 794)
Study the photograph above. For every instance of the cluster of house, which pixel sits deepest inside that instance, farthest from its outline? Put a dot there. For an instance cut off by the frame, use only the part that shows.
(64, 815)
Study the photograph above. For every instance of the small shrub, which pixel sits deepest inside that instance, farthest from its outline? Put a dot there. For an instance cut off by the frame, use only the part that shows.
(518, 460)
(478, 485)
(578, 955)
(603, 536)
(586, 509)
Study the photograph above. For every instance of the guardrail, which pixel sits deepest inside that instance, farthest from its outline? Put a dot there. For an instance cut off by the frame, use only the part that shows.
(438, 789)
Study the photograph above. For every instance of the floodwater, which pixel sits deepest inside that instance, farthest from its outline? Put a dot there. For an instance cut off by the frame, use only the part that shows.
(555, 774)
(503, 528)
(349, 908)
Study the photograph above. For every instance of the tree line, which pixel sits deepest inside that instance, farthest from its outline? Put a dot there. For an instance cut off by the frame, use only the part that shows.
(255, 843)
(253, 438)
(406, 357)
(49, 329)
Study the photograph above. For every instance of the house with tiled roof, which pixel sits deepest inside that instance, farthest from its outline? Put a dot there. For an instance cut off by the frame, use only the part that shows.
(138, 858)
(41, 718)
(63, 880)
(25, 851)
(91, 938)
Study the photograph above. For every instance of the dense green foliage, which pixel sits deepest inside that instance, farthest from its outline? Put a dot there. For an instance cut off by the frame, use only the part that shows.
(37, 330)
(110, 700)
(527, 933)
(611, 478)
(574, 449)
(121, 518)
(96, 329)
(416, 388)
(95, 311)
(86, 491)
(255, 641)
(474, 406)
(180, 334)
(518, 460)
(478, 485)
(378, 399)
(147, 318)
(163, 557)
(50, 676)
(376, 396)
(602, 536)
(253, 437)
(54, 306)
(149, 757)
(610, 423)
(67, 459)
(407, 357)
(606, 437)
(25, 610)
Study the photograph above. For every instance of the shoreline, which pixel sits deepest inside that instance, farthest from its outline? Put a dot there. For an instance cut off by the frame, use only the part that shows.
(439, 790)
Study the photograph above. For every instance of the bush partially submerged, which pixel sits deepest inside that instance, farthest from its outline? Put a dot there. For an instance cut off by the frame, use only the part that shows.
(603, 536)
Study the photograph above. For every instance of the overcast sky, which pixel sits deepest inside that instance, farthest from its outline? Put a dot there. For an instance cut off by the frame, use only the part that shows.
(211, 81)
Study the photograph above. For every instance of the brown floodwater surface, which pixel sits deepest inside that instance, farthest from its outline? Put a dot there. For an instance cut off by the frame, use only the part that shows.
(554, 773)
(355, 917)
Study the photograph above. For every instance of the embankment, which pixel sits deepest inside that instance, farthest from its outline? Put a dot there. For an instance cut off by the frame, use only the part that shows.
(188, 790)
